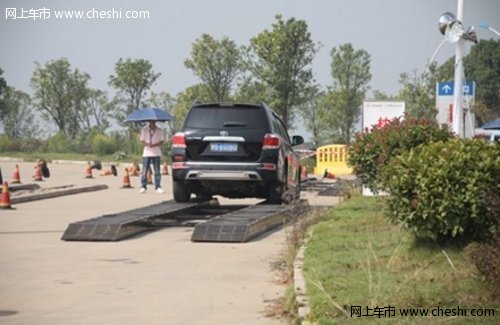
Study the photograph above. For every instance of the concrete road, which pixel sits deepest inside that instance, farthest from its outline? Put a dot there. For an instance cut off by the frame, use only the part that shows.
(158, 278)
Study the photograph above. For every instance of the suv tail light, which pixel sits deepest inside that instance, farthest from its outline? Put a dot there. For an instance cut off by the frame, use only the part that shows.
(271, 141)
(179, 140)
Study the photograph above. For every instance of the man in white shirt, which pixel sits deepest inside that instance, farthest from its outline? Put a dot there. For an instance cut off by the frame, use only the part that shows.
(152, 137)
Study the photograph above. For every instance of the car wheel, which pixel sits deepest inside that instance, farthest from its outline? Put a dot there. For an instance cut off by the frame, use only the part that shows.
(275, 194)
(181, 193)
(297, 188)
(278, 191)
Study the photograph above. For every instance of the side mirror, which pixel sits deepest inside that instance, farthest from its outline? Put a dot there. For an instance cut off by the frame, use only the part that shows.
(297, 139)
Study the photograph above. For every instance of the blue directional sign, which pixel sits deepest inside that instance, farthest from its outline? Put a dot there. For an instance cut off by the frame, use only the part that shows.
(447, 88)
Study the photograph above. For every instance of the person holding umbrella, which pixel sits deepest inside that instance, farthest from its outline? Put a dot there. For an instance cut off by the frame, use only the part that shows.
(152, 137)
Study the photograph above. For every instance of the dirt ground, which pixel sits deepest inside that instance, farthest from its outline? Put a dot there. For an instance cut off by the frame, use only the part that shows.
(157, 278)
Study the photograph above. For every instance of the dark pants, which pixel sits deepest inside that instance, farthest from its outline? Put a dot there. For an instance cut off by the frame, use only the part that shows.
(146, 161)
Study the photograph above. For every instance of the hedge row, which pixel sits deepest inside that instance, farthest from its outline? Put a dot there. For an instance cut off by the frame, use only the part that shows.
(439, 187)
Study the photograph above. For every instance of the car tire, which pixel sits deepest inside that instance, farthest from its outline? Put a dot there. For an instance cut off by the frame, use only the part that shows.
(278, 190)
(275, 194)
(181, 193)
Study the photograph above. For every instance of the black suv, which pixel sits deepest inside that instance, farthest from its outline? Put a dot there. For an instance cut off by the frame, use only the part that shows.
(235, 150)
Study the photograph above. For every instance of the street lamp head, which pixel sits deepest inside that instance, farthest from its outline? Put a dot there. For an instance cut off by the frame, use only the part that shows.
(445, 20)
(470, 34)
(454, 32)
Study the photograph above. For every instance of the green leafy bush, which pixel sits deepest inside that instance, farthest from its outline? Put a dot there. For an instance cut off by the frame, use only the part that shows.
(5, 143)
(372, 151)
(59, 143)
(486, 257)
(103, 145)
(33, 145)
(444, 190)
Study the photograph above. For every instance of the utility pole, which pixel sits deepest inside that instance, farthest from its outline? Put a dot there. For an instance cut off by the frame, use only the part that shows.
(458, 116)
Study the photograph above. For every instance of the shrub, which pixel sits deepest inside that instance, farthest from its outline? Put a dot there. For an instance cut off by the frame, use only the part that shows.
(486, 257)
(103, 145)
(443, 190)
(33, 145)
(373, 150)
(5, 143)
(59, 143)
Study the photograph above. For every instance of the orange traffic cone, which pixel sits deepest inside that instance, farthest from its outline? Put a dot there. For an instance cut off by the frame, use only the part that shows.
(149, 175)
(303, 175)
(88, 170)
(44, 168)
(106, 172)
(328, 175)
(5, 200)
(110, 171)
(16, 178)
(38, 173)
(134, 171)
(126, 180)
(164, 170)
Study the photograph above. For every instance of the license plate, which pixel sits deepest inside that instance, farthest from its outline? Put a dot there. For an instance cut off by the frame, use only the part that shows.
(224, 147)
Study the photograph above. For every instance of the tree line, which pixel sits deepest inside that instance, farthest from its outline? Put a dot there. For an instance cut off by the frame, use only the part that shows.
(275, 67)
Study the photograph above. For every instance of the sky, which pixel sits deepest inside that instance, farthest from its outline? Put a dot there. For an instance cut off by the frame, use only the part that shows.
(400, 35)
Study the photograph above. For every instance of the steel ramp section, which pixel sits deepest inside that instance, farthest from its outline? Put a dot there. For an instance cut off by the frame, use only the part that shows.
(243, 225)
(114, 227)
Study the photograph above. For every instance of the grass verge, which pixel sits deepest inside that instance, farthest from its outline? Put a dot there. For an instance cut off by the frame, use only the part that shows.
(356, 258)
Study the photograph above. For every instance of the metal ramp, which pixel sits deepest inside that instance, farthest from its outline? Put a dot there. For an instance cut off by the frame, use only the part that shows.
(245, 224)
(114, 227)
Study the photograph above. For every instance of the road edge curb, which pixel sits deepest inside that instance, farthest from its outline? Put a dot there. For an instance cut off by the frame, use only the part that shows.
(301, 297)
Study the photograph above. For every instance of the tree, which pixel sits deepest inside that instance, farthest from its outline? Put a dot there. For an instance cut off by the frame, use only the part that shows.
(350, 70)
(281, 59)
(3, 88)
(60, 94)
(481, 65)
(97, 111)
(18, 121)
(217, 64)
(252, 91)
(380, 95)
(132, 79)
(312, 112)
(164, 101)
(418, 92)
(184, 101)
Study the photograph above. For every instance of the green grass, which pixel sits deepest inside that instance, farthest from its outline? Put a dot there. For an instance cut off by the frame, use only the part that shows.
(356, 258)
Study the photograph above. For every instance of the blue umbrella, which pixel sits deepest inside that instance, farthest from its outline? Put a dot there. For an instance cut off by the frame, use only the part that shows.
(149, 114)
(494, 124)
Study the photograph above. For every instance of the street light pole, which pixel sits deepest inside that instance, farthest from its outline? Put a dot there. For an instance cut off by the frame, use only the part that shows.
(488, 27)
(457, 125)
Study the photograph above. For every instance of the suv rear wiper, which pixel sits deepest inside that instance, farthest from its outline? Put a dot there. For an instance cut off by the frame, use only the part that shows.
(233, 123)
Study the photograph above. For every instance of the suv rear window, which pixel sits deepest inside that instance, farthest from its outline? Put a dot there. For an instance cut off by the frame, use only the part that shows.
(215, 117)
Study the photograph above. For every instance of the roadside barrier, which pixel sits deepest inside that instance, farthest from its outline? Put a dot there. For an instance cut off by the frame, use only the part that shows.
(333, 158)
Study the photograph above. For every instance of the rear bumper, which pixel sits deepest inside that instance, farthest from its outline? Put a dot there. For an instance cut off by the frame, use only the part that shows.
(223, 171)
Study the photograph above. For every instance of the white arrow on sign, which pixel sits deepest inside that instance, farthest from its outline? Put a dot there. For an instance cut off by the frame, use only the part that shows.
(446, 89)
